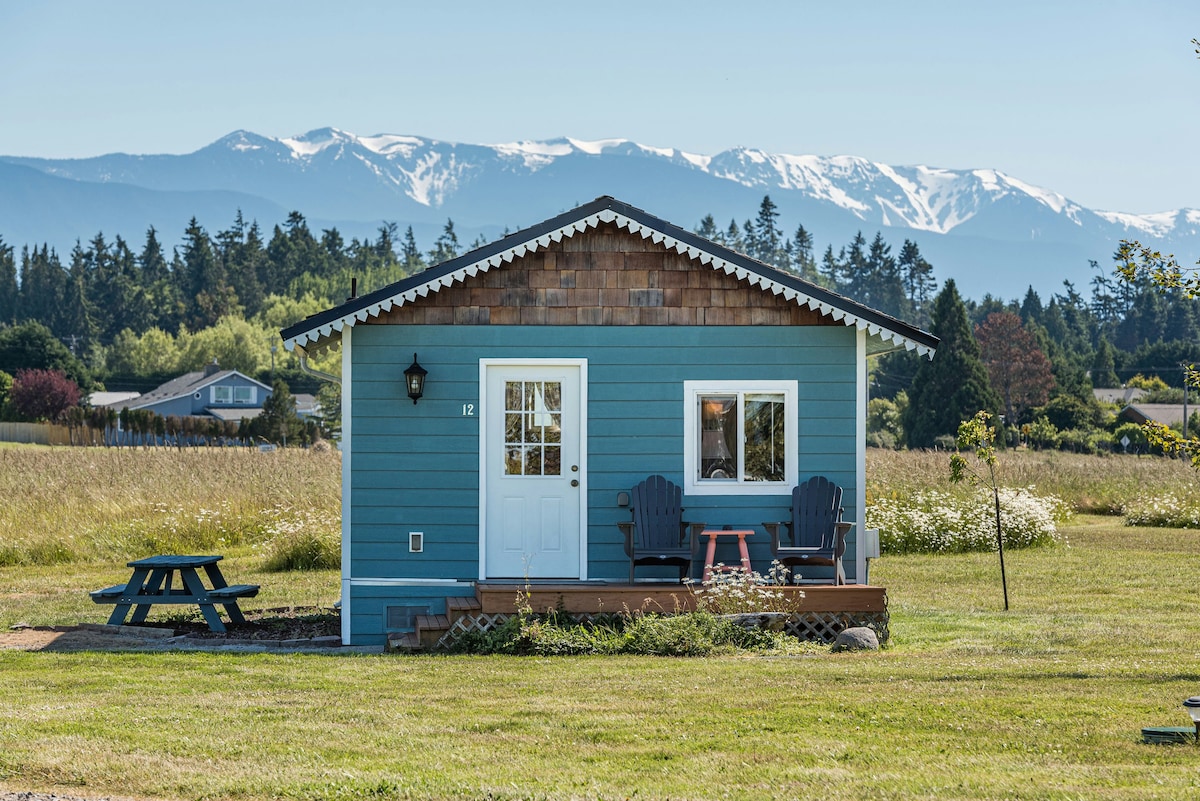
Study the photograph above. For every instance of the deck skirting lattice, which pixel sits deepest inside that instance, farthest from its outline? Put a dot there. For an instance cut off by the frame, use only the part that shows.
(826, 626)
(821, 627)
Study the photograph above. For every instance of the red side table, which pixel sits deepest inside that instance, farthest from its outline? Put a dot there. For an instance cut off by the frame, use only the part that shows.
(713, 534)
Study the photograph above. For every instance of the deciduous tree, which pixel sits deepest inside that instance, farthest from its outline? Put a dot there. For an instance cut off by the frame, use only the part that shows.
(43, 395)
(1017, 368)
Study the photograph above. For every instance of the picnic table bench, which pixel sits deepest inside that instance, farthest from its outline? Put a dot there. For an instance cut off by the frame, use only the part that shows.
(154, 582)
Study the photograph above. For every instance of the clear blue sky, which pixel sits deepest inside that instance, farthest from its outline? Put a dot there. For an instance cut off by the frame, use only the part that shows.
(1094, 99)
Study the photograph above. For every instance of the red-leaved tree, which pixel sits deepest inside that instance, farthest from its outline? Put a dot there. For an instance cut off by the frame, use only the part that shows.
(43, 395)
(1017, 369)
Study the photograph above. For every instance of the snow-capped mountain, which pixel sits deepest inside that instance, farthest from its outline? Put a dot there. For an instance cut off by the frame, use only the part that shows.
(992, 232)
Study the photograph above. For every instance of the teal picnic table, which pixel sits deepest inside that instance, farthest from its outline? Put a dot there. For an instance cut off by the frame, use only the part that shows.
(171, 579)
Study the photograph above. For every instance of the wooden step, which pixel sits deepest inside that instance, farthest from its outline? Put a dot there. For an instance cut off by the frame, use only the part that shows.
(430, 628)
(458, 606)
(403, 643)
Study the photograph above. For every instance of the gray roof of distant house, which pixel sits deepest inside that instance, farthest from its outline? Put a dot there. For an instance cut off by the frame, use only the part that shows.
(185, 385)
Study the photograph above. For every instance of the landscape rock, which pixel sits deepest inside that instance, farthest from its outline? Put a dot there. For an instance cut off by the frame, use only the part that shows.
(856, 638)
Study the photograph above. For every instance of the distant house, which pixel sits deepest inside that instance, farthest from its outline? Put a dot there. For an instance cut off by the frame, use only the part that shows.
(1122, 396)
(212, 392)
(306, 406)
(116, 400)
(1170, 414)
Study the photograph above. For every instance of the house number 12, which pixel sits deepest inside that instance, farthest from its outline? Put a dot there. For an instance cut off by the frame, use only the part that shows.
(468, 410)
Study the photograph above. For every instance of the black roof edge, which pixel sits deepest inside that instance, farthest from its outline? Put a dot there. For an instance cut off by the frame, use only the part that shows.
(602, 203)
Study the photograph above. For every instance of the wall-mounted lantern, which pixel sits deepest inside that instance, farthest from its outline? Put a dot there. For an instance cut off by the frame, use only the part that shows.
(414, 377)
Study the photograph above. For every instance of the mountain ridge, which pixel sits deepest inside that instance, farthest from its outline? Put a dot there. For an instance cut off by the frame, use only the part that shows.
(989, 229)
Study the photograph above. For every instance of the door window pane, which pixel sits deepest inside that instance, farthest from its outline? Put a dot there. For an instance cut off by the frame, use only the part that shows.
(532, 416)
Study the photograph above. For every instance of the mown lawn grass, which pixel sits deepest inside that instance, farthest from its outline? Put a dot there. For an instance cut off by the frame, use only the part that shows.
(1045, 701)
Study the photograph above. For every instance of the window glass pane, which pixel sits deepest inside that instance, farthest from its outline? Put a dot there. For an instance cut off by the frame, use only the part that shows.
(553, 432)
(718, 436)
(553, 396)
(512, 427)
(222, 394)
(243, 394)
(533, 460)
(766, 446)
(553, 466)
(533, 431)
(513, 465)
(512, 396)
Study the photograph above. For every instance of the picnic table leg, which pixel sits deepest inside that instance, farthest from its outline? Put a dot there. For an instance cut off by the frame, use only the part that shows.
(153, 586)
(191, 580)
(217, 580)
(234, 611)
(117, 618)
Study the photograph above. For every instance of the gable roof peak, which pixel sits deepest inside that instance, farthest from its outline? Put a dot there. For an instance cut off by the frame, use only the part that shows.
(322, 329)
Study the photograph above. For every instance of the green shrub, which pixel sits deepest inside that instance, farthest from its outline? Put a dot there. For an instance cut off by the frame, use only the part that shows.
(688, 634)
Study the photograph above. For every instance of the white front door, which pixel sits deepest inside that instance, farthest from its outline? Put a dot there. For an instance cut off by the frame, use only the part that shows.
(532, 482)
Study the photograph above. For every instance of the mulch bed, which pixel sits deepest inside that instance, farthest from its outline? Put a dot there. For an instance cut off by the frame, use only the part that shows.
(284, 623)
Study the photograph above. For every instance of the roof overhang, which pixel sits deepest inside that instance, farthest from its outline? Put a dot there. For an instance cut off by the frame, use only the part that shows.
(885, 333)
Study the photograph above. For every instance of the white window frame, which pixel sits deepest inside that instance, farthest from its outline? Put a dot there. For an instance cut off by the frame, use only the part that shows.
(227, 388)
(692, 483)
(250, 392)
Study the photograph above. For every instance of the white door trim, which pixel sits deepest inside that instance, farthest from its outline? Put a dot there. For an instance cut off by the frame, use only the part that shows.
(582, 364)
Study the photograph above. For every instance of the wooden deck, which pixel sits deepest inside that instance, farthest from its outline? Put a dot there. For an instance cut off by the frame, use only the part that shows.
(588, 598)
(824, 610)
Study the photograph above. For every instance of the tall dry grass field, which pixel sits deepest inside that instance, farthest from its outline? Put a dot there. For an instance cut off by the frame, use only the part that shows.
(103, 504)
(1090, 484)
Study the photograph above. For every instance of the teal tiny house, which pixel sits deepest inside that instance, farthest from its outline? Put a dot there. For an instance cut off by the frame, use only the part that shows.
(564, 364)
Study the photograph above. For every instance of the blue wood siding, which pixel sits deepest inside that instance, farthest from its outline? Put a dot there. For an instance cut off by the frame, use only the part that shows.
(416, 468)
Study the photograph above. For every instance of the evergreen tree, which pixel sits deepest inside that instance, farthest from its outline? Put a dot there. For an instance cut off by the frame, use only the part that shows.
(75, 321)
(385, 245)
(279, 422)
(1104, 366)
(1031, 307)
(953, 386)
(208, 294)
(803, 263)
(854, 282)
(158, 285)
(919, 284)
(832, 270)
(768, 239)
(43, 285)
(708, 229)
(884, 289)
(240, 251)
(9, 292)
(410, 255)
(733, 237)
(446, 245)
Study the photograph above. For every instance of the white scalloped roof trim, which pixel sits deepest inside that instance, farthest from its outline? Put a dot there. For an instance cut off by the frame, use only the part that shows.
(321, 332)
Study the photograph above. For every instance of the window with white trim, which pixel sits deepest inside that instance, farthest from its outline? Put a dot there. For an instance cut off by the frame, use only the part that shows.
(243, 395)
(222, 394)
(740, 437)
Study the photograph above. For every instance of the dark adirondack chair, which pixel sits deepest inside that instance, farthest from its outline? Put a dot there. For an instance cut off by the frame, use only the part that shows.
(816, 534)
(657, 535)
